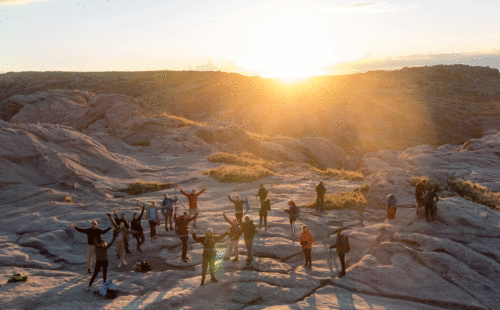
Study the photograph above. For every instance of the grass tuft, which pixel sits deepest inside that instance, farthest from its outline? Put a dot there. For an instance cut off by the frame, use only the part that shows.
(476, 193)
(430, 183)
(138, 188)
(355, 200)
(340, 174)
(69, 200)
(141, 143)
(244, 159)
(182, 122)
(235, 174)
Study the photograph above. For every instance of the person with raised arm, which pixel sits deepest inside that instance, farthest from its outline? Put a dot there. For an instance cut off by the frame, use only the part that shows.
(193, 202)
(238, 207)
(92, 233)
(209, 254)
(182, 223)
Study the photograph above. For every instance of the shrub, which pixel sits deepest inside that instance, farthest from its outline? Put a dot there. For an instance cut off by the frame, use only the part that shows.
(138, 188)
(475, 193)
(363, 189)
(430, 183)
(340, 174)
(355, 200)
(69, 200)
(141, 143)
(234, 174)
(244, 159)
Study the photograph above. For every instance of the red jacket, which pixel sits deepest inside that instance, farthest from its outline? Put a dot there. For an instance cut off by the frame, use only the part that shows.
(306, 240)
(193, 198)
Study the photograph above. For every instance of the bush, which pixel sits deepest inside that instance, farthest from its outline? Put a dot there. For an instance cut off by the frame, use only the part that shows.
(234, 174)
(340, 174)
(141, 143)
(244, 159)
(69, 200)
(363, 189)
(138, 188)
(430, 183)
(475, 193)
(355, 200)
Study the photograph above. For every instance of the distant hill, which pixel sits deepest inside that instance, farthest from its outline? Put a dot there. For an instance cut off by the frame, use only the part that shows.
(374, 110)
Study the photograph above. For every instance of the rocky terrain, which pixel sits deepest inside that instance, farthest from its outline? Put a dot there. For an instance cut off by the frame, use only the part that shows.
(79, 144)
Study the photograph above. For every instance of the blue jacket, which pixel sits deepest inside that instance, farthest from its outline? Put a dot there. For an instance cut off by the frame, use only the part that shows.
(169, 203)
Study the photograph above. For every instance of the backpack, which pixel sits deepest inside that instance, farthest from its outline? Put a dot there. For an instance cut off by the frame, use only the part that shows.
(297, 212)
(108, 289)
(347, 246)
(145, 266)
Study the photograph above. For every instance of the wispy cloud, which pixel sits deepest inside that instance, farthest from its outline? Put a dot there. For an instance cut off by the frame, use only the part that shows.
(360, 5)
(371, 8)
(16, 2)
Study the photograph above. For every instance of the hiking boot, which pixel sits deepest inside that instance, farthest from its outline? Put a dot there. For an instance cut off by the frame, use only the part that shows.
(305, 265)
(124, 263)
(120, 265)
(214, 280)
(202, 282)
(155, 237)
(171, 229)
(128, 252)
(341, 274)
(139, 250)
(184, 260)
(89, 271)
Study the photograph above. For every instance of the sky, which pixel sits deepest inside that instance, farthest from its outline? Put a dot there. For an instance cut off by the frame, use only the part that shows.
(271, 38)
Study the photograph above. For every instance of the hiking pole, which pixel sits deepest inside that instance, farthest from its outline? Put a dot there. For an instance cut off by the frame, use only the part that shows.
(180, 200)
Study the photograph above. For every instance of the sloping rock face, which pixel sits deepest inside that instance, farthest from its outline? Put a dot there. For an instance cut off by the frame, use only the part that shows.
(325, 152)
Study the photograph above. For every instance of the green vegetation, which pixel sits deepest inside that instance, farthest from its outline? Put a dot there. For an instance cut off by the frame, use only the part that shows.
(475, 193)
(235, 174)
(244, 159)
(138, 188)
(340, 174)
(354, 200)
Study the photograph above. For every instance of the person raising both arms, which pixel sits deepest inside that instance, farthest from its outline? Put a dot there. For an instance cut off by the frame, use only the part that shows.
(136, 226)
(121, 233)
(168, 210)
(101, 257)
(182, 223)
(209, 254)
(193, 202)
(92, 233)
(249, 230)
(238, 207)
(234, 238)
(123, 219)
(262, 194)
(154, 220)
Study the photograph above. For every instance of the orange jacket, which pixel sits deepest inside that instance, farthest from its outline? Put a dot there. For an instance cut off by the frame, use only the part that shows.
(193, 198)
(306, 240)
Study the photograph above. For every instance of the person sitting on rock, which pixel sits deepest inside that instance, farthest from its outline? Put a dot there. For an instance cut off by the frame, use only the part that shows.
(320, 196)
(390, 202)
(136, 226)
(262, 194)
(182, 223)
(306, 240)
(341, 246)
(92, 233)
(120, 234)
(193, 202)
(430, 201)
(168, 210)
(264, 208)
(123, 218)
(101, 257)
(234, 238)
(249, 230)
(293, 215)
(238, 207)
(420, 193)
(209, 253)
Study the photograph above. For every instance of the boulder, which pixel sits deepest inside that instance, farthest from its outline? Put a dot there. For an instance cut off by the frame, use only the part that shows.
(325, 152)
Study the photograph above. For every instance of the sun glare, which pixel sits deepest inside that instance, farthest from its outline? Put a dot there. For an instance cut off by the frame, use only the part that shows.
(289, 49)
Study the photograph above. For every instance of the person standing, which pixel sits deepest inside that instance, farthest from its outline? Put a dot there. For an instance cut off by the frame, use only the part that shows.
(264, 208)
(136, 226)
(182, 223)
(193, 202)
(430, 200)
(293, 215)
(390, 202)
(121, 233)
(262, 194)
(420, 193)
(123, 218)
(341, 246)
(154, 220)
(234, 238)
(306, 240)
(168, 210)
(320, 196)
(249, 231)
(92, 232)
(238, 207)
(101, 260)
(209, 254)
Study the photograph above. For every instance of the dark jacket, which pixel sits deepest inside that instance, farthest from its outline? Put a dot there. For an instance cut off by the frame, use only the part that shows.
(101, 253)
(420, 189)
(93, 233)
(320, 190)
(340, 244)
(266, 206)
(168, 203)
(124, 231)
(262, 194)
(235, 229)
(429, 199)
(209, 243)
(119, 220)
(249, 230)
(136, 223)
(238, 205)
(183, 223)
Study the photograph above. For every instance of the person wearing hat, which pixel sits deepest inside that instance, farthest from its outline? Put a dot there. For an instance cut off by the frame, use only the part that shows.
(234, 237)
(249, 230)
(193, 202)
(306, 240)
(341, 247)
(209, 254)
(293, 213)
(92, 233)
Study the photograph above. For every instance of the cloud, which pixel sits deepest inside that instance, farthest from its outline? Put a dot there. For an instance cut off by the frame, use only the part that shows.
(16, 2)
(359, 5)
(371, 8)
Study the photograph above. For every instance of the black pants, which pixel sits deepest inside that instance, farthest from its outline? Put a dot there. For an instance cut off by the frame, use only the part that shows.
(98, 265)
(249, 244)
(342, 261)
(152, 227)
(168, 218)
(265, 221)
(320, 201)
(239, 217)
(184, 240)
(208, 260)
(140, 239)
(126, 245)
(429, 209)
(307, 255)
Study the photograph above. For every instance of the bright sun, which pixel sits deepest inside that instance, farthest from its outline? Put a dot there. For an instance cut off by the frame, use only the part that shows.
(289, 49)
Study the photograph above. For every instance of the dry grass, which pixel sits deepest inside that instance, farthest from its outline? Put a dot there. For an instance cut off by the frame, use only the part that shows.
(267, 138)
(181, 120)
(244, 159)
(141, 143)
(476, 193)
(430, 183)
(139, 187)
(235, 174)
(340, 174)
(69, 200)
(363, 189)
(355, 200)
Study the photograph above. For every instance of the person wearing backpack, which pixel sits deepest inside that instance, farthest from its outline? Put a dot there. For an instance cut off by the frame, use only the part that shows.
(249, 230)
(193, 202)
(182, 223)
(262, 194)
(123, 218)
(209, 254)
(390, 202)
(168, 210)
(234, 237)
(320, 196)
(266, 206)
(101, 255)
(342, 246)
(136, 226)
(306, 240)
(238, 207)
(92, 232)
(294, 212)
